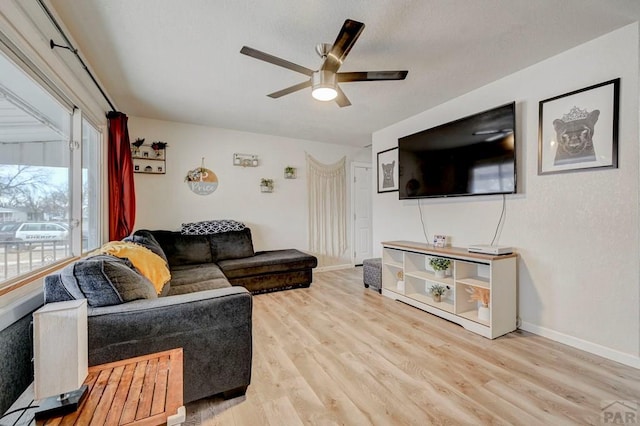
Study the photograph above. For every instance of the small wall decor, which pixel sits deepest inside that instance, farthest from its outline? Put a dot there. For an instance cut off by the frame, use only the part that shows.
(579, 130)
(149, 159)
(135, 146)
(289, 172)
(201, 180)
(440, 241)
(245, 160)
(388, 170)
(266, 185)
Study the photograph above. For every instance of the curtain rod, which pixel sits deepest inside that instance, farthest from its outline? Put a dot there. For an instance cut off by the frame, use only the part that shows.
(70, 47)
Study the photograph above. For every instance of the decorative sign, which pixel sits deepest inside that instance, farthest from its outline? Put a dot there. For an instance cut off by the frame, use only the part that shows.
(201, 180)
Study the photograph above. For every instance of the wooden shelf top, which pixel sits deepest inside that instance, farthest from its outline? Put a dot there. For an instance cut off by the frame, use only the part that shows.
(145, 390)
(459, 252)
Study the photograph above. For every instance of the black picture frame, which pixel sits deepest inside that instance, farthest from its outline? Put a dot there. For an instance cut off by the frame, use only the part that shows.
(388, 176)
(578, 130)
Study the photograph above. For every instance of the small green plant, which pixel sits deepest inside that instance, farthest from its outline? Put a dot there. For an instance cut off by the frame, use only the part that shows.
(439, 263)
(289, 170)
(437, 289)
(266, 182)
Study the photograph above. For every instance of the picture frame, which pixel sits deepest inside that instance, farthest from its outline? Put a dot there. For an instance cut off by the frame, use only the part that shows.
(388, 170)
(579, 130)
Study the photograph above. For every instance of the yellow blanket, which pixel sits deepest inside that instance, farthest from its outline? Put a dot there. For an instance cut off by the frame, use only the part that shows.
(147, 262)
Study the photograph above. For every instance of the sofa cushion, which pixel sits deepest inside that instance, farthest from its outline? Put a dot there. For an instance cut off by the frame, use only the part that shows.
(265, 262)
(105, 280)
(189, 274)
(231, 245)
(146, 239)
(199, 286)
(184, 249)
(147, 262)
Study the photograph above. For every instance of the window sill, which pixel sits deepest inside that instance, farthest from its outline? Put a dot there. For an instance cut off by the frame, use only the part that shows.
(24, 296)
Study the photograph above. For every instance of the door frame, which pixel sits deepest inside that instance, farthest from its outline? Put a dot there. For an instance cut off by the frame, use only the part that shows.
(352, 220)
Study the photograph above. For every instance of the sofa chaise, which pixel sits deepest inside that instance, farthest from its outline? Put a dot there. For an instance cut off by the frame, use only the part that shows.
(205, 308)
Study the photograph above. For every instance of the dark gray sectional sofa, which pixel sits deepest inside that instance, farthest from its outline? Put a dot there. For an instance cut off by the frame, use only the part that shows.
(205, 308)
(198, 260)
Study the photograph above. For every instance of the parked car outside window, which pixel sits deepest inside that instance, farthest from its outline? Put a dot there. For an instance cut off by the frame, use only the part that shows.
(33, 232)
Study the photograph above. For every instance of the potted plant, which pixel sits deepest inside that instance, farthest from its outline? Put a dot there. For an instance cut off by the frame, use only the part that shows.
(437, 291)
(158, 146)
(481, 295)
(135, 151)
(289, 172)
(266, 185)
(400, 282)
(440, 265)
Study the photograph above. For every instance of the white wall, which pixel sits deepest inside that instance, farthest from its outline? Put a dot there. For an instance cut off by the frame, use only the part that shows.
(277, 220)
(576, 233)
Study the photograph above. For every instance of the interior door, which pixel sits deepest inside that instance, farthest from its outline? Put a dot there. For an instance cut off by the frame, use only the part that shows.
(362, 226)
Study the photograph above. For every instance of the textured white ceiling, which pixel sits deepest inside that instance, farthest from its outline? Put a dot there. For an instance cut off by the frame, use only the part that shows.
(180, 61)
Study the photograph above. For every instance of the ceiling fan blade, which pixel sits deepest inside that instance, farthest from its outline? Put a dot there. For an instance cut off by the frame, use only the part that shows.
(344, 77)
(290, 89)
(275, 60)
(347, 37)
(342, 99)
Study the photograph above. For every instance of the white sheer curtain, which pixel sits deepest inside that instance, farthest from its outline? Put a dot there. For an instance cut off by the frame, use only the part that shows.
(327, 187)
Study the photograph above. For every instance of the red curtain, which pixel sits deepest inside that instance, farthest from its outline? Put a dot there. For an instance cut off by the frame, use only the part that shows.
(122, 197)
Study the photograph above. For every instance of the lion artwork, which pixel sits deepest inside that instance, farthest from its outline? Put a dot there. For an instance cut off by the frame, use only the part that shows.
(575, 136)
(387, 175)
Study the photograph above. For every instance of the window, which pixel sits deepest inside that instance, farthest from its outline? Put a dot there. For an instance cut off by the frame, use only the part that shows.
(37, 170)
(90, 187)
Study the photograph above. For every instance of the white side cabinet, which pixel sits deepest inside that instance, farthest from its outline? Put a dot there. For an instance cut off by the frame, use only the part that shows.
(407, 276)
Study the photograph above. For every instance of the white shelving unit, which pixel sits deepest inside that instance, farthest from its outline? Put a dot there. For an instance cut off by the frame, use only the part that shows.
(408, 262)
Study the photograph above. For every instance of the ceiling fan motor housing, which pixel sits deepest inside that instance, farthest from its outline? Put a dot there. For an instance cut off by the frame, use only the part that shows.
(323, 85)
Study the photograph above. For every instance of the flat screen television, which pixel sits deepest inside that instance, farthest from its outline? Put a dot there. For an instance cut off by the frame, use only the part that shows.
(475, 155)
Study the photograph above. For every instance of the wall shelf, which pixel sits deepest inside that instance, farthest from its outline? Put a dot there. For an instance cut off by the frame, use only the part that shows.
(146, 160)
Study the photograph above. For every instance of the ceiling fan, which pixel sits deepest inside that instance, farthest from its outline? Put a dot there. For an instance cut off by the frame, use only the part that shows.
(324, 82)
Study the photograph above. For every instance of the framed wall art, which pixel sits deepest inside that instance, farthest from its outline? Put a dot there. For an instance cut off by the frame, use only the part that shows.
(579, 130)
(388, 170)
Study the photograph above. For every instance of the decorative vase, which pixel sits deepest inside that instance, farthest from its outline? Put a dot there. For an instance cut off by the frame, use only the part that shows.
(441, 273)
(483, 313)
(264, 188)
(400, 286)
(437, 298)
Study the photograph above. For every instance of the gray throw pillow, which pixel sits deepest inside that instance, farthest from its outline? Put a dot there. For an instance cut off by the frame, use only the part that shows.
(106, 280)
(146, 239)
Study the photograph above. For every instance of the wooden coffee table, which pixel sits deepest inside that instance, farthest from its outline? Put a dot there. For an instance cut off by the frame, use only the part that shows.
(145, 390)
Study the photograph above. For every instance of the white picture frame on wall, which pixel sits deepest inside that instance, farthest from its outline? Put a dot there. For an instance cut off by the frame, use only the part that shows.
(388, 170)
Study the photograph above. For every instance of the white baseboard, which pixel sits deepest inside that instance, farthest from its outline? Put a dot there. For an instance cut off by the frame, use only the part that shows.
(594, 348)
(333, 267)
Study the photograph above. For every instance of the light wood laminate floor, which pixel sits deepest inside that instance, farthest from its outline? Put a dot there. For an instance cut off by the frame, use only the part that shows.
(338, 353)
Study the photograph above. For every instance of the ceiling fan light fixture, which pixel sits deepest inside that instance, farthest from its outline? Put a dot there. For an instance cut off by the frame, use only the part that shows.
(323, 85)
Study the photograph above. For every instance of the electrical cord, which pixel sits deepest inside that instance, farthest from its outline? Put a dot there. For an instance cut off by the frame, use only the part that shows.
(503, 216)
(425, 231)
